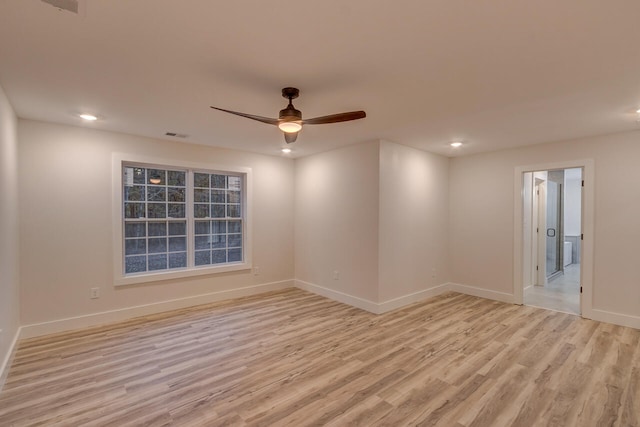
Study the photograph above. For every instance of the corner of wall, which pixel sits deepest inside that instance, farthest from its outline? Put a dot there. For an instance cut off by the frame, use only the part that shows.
(9, 218)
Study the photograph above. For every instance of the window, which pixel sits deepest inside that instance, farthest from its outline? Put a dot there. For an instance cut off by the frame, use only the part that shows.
(179, 221)
(217, 210)
(155, 225)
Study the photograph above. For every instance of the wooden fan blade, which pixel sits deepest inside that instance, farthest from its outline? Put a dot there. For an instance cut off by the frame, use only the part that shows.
(266, 120)
(290, 137)
(335, 118)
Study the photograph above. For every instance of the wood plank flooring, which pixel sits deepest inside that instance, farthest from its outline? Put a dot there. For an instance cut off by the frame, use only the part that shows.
(291, 358)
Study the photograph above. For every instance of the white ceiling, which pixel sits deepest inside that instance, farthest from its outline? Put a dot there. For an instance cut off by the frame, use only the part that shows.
(494, 73)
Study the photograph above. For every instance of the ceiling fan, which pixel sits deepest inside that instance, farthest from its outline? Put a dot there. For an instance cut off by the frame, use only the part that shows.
(290, 120)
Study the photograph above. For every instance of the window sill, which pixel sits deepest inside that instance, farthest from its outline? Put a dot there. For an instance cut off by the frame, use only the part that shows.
(179, 274)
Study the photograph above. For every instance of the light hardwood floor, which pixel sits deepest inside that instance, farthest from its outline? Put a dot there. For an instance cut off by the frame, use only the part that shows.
(294, 358)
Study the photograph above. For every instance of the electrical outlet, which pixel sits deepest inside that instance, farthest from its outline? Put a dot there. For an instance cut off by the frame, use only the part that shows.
(95, 293)
(256, 270)
(336, 275)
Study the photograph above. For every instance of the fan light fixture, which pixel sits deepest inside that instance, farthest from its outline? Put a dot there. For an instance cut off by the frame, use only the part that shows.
(290, 127)
(88, 117)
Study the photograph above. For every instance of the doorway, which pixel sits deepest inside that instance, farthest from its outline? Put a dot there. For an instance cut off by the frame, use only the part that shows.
(552, 217)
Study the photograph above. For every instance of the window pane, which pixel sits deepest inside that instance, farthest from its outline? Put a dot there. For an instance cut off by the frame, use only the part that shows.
(135, 246)
(218, 241)
(177, 228)
(178, 260)
(219, 257)
(200, 195)
(176, 178)
(202, 227)
(201, 211)
(203, 257)
(218, 227)
(156, 194)
(234, 197)
(218, 196)
(233, 211)
(136, 229)
(157, 229)
(157, 262)
(201, 180)
(134, 210)
(176, 194)
(157, 176)
(157, 245)
(235, 255)
(139, 176)
(235, 240)
(218, 181)
(134, 193)
(217, 211)
(235, 183)
(176, 210)
(135, 264)
(202, 242)
(178, 244)
(235, 226)
(156, 210)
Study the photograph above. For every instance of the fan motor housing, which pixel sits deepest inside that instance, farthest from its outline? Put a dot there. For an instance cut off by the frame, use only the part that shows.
(290, 114)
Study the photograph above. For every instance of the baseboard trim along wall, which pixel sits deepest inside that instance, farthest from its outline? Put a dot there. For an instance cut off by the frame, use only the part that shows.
(399, 302)
(371, 306)
(95, 319)
(338, 296)
(481, 292)
(615, 318)
(8, 358)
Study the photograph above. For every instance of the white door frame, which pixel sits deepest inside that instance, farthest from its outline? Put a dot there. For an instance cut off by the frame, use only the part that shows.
(586, 259)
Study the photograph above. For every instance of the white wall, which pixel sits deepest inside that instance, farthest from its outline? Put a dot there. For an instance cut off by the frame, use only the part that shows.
(482, 205)
(572, 202)
(414, 215)
(9, 262)
(336, 220)
(377, 213)
(65, 227)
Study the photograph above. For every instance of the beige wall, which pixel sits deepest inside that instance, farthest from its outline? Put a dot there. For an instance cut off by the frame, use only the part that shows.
(336, 220)
(414, 215)
(482, 205)
(376, 212)
(383, 215)
(66, 223)
(9, 264)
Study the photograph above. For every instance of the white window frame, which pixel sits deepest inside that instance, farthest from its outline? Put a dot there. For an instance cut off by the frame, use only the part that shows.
(121, 159)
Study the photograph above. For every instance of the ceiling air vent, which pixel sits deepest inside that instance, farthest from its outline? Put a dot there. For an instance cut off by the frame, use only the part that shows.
(177, 135)
(68, 5)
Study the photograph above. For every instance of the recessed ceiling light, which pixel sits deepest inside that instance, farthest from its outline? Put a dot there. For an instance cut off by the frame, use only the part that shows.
(286, 150)
(638, 111)
(88, 117)
(456, 144)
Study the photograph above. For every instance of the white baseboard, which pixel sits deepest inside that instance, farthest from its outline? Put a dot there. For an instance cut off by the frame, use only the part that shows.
(615, 318)
(8, 358)
(338, 296)
(95, 319)
(370, 306)
(481, 292)
(395, 303)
